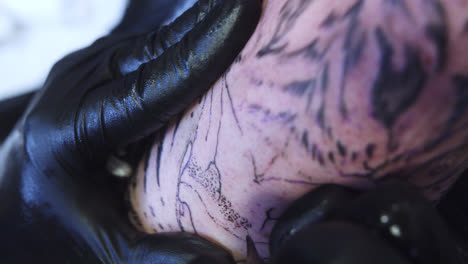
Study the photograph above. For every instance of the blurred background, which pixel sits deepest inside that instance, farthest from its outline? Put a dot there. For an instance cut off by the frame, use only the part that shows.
(34, 34)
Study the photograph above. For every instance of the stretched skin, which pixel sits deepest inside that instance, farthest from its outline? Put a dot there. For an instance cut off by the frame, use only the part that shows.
(356, 93)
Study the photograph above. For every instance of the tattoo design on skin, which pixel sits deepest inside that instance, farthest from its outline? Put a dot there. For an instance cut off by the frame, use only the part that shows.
(330, 20)
(290, 12)
(437, 32)
(393, 91)
(209, 178)
(353, 46)
(396, 91)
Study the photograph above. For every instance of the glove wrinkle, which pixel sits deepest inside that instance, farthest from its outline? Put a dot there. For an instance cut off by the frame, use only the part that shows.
(142, 49)
(59, 205)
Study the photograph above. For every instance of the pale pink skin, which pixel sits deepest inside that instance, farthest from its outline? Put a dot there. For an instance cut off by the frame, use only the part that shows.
(241, 151)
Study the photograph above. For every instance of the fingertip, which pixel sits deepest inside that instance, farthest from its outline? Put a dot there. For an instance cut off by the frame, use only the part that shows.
(338, 243)
(314, 207)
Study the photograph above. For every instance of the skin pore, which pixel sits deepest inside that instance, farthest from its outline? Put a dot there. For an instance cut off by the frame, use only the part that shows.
(353, 92)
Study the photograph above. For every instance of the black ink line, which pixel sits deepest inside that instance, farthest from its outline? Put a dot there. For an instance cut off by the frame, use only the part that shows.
(314, 151)
(190, 217)
(301, 182)
(298, 88)
(258, 178)
(373, 171)
(353, 47)
(321, 159)
(329, 20)
(325, 77)
(321, 116)
(179, 119)
(354, 10)
(231, 102)
(283, 117)
(219, 126)
(330, 133)
(331, 157)
(289, 14)
(223, 203)
(370, 149)
(211, 115)
(341, 149)
(268, 218)
(145, 177)
(305, 140)
(310, 52)
(438, 33)
(238, 59)
(394, 91)
(310, 95)
(158, 163)
(183, 166)
(161, 139)
(365, 165)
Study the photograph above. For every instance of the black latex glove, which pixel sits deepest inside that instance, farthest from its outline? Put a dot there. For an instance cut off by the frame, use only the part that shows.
(11, 110)
(57, 202)
(141, 16)
(392, 224)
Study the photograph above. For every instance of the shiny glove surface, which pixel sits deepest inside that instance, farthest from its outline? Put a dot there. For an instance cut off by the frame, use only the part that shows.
(58, 203)
(392, 224)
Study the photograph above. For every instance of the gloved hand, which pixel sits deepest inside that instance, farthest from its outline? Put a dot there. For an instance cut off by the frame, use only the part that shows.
(11, 110)
(392, 224)
(58, 204)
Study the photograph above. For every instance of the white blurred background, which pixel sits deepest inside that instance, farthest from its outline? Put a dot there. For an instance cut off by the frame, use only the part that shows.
(34, 34)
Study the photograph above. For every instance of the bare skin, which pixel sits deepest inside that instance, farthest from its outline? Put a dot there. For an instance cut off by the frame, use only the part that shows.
(345, 91)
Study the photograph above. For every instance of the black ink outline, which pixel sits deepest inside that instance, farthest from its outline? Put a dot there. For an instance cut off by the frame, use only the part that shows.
(289, 14)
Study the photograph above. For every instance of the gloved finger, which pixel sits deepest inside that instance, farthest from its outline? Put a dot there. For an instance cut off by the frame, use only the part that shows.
(178, 248)
(11, 110)
(145, 15)
(130, 55)
(402, 216)
(128, 109)
(314, 207)
(337, 243)
(452, 207)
